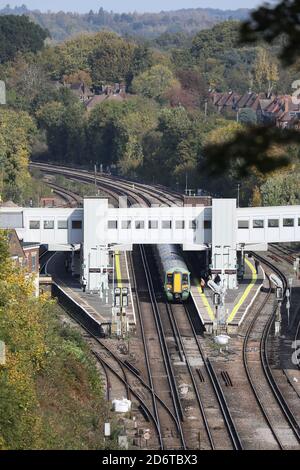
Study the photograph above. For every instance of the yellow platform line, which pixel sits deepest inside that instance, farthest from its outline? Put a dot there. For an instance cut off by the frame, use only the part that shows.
(118, 270)
(205, 300)
(246, 293)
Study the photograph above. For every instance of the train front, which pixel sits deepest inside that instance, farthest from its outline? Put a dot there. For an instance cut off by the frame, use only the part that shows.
(177, 285)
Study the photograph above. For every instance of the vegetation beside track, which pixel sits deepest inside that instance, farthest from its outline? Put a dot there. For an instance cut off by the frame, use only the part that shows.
(51, 396)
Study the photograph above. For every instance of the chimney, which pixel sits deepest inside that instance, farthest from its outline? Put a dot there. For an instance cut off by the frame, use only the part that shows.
(286, 104)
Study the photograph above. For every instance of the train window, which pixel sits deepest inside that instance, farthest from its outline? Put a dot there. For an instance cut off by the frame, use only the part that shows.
(112, 224)
(258, 223)
(288, 222)
(185, 278)
(34, 225)
(166, 224)
(193, 224)
(77, 224)
(299, 222)
(139, 224)
(153, 224)
(48, 224)
(62, 224)
(273, 223)
(207, 224)
(169, 278)
(180, 224)
(243, 224)
(126, 224)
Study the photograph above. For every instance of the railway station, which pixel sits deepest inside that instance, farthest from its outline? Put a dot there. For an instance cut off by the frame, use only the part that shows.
(94, 234)
(178, 289)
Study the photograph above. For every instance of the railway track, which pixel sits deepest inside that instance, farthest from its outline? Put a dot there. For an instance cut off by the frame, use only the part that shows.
(177, 410)
(275, 409)
(71, 198)
(163, 375)
(129, 376)
(140, 193)
(125, 373)
(203, 414)
(165, 410)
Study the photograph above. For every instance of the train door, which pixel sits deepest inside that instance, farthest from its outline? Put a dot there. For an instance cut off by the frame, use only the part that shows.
(177, 283)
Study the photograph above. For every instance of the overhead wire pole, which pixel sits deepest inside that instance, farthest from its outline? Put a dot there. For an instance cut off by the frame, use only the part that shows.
(238, 194)
(3, 102)
(95, 169)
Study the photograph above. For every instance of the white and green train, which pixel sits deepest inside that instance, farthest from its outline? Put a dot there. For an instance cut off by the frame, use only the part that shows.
(174, 272)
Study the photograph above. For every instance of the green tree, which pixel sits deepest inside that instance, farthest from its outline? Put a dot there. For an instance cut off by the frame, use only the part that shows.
(111, 59)
(265, 70)
(19, 34)
(276, 25)
(115, 132)
(154, 82)
(281, 189)
(64, 123)
(17, 131)
(215, 41)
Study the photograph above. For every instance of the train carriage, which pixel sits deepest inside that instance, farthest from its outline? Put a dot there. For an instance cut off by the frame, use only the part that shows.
(174, 272)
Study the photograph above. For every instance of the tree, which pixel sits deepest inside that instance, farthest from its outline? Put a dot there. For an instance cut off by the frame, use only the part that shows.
(256, 200)
(111, 59)
(64, 122)
(19, 34)
(265, 70)
(17, 130)
(281, 189)
(28, 85)
(81, 76)
(179, 145)
(154, 82)
(279, 25)
(213, 42)
(115, 133)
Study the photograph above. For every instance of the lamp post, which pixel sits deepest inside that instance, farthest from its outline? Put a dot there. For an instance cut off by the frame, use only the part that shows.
(238, 194)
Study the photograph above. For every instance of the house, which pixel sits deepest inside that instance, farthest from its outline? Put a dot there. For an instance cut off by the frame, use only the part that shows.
(80, 90)
(25, 256)
(280, 110)
(15, 249)
(108, 93)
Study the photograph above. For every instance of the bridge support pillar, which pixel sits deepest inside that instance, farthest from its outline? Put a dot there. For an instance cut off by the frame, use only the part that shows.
(224, 253)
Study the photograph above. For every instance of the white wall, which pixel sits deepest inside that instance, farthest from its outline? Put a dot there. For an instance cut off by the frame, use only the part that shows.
(268, 234)
(224, 240)
(49, 236)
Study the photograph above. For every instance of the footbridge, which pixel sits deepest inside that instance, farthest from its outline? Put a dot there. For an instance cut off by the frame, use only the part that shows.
(222, 229)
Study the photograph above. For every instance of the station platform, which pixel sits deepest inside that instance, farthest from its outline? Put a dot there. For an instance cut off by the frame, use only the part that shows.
(237, 301)
(99, 309)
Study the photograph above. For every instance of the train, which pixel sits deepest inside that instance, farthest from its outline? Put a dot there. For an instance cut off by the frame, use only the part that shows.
(174, 272)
